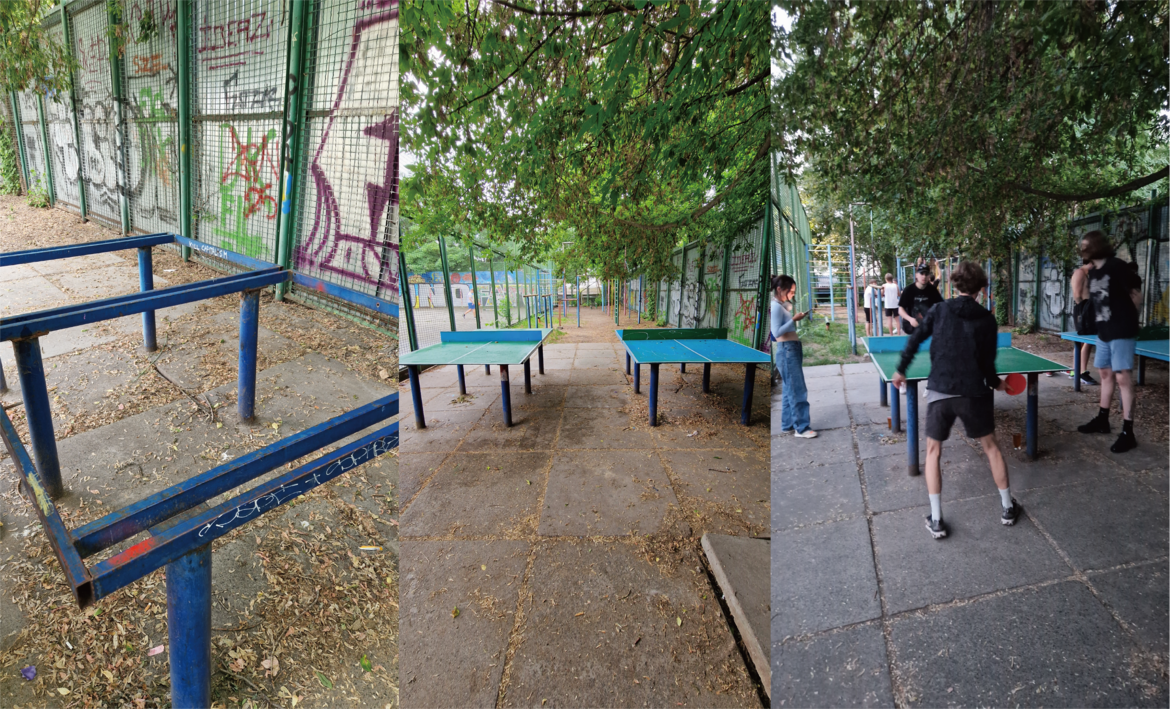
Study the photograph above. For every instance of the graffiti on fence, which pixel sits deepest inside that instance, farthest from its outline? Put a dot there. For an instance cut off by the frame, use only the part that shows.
(245, 188)
(1054, 294)
(97, 117)
(743, 318)
(233, 42)
(1026, 289)
(340, 239)
(63, 146)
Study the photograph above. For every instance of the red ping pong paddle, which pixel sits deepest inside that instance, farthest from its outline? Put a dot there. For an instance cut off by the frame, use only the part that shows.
(1015, 384)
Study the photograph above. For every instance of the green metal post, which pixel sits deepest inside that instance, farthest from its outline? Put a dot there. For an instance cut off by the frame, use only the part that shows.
(474, 286)
(1036, 288)
(492, 276)
(446, 281)
(294, 119)
(404, 292)
(723, 287)
(113, 11)
(16, 128)
(81, 201)
(48, 154)
(183, 54)
(682, 287)
(765, 267)
(1015, 286)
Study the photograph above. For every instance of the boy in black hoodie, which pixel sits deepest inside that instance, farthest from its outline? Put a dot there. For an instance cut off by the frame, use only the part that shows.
(962, 377)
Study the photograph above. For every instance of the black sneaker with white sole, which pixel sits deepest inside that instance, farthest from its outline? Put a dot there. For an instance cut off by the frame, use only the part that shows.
(1087, 378)
(1011, 514)
(937, 528)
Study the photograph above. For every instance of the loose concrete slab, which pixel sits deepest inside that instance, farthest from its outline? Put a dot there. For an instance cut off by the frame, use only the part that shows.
(844, 668)
(816, 494)
(1026, 648)
(1138, 595)
(414, 469)
(606, 627)
(806, 562)
(739, 565)
(607, 493)
(458, 604)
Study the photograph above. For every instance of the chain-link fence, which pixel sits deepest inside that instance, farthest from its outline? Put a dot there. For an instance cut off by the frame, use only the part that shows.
(32, 144)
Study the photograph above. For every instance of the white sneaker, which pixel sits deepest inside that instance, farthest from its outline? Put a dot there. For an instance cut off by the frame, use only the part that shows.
(807, 434)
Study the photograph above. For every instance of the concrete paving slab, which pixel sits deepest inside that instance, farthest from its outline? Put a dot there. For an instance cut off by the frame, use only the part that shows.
(588, 377)
(542, 397)
(831, 446)
(602, 629)
(450, 399)
(97, 283)
(456, 659)
(1159, 480)
(605, 396)
(85, 263)
(598, 429)
(478, 494)
(414, 469)
(806, 562)
(889, 485)
(740, 567)
(530, 430)
(702, 427)
(1083, 521)
(729, 482)
(878, 440)
(846, 668)
(584, 361)
(1052, 646)
(28, 295)
(1138, 595)
(16, 273)
(815, 494)
(444, 432)
(980, 555)
(824, 418)
(824, 370)
(872, 413)
(858, 368)
(606, 493)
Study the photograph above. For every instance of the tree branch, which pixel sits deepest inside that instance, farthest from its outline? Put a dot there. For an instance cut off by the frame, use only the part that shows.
(1085, 197)
(540, 13)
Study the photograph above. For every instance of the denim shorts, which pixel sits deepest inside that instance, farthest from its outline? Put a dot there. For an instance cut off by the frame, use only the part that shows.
(1115, 354)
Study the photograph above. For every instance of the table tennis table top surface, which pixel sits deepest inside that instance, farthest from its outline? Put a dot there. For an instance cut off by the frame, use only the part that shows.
(885, 352)
(478, 347)
(687, 346)
(1155, 348)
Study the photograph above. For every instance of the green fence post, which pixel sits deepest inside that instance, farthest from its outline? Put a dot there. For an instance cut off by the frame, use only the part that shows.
(68, 33)
(404, 291)
(1039, 259)
(25, 175)
(474, 286)
(183, 55)
(114, 17)
(48, 154)
(294, 119)
(765, 268)
(446, 281)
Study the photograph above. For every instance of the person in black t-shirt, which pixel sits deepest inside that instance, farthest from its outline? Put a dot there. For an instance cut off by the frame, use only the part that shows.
(919, 297)
(1115, 290)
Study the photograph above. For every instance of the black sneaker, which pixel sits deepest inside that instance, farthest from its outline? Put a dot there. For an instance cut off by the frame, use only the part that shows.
(1099, 424)
(1125, 442)
(1011, 514)
(1087, 378)
(938, 530)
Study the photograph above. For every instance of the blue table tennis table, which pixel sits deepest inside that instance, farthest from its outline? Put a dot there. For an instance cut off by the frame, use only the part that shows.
(689, 346)
(476, 347)
(1158, 349)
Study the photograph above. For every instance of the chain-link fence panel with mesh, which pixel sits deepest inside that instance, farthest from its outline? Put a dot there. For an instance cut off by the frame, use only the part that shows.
(34, 146)
(97, 116)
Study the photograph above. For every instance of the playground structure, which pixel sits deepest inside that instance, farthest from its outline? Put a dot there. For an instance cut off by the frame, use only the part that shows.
(179, 524)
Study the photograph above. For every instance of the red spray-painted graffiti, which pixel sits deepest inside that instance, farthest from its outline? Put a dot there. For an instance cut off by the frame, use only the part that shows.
(248, 161)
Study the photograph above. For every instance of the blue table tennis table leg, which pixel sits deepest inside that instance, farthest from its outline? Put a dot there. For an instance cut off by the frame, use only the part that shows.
(707, 377)
(3, 381)
(627, 364)
(682, 367)
(35, 393)
(895, 409)
(1032, 421)
(637, 378)
(749, 385)
(1141, 373)
(487, 369)
(462, 380)
(416, 396)
(912, 425)
(249, 333)
(527, 376)
(1076, 366)
(506, 394)
(189, 627)
(146, 282)
(882, 393)
(653, 393)
(540, 358)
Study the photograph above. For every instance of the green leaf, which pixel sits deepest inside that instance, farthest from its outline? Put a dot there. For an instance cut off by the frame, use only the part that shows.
(324, 680)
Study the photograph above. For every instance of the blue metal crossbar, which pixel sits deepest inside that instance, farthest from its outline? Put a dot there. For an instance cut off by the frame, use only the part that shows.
(52, 253)
(33, 324)
(348, 295)
(241, 260)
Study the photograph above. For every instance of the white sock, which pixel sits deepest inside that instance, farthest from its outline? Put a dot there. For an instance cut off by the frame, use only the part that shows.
(1005, 496)
(936, 507)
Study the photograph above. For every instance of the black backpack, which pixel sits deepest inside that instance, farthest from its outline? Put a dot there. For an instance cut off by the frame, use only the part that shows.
(1084, 317)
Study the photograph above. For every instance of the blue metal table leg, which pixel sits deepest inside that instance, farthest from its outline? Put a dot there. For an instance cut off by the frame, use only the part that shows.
(627, 364)
(682, 367)
(1141, 373)
(882, 395)
(540, 358)
(707, 377)
(1033, 415)
(895, 409)
(462, 380)
(249, 324)
(527, 376)
(416, 396)
(506, 393)
(1076, 366)
(637, 377)
(189, 628)
(487, 370)
(146, 282)
(749, 386)
(3, 381)
(35, 393)
(912, 425)
(654, 394)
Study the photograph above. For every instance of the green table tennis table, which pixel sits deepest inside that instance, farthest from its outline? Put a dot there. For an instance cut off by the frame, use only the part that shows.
(885, 352)
(683, 346)
(476, 347)
(1155, 348)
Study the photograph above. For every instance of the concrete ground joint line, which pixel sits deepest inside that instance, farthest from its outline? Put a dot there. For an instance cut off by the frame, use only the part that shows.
(514, 635)
(828, 632)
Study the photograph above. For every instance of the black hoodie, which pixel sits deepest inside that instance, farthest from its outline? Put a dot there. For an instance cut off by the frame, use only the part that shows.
(962, 348)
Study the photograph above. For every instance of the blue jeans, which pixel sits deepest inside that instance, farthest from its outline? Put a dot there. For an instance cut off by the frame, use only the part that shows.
(794, 395)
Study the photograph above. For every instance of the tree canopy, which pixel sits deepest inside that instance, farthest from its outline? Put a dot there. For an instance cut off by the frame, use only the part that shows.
(623, 127)
(972, 126)
(27, 56)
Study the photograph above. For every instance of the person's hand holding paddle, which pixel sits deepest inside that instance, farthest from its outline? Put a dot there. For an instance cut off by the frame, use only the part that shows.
(899, 379)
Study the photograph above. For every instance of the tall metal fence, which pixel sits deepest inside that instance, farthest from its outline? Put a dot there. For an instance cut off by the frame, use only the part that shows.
(289, 115)
(793, 239)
